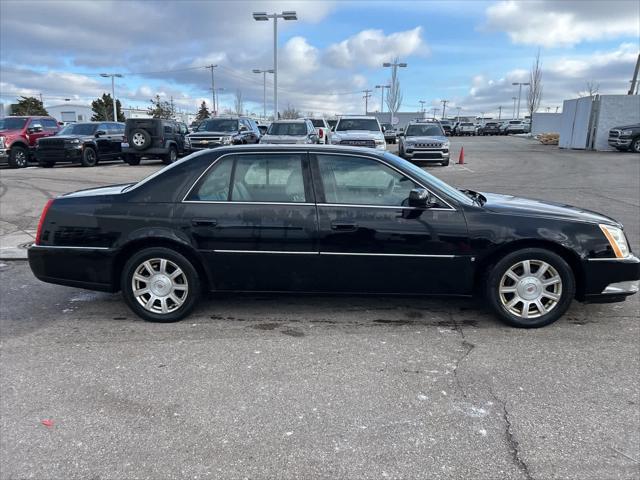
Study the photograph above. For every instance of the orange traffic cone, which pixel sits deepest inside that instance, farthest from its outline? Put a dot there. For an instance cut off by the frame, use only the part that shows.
(461, 158)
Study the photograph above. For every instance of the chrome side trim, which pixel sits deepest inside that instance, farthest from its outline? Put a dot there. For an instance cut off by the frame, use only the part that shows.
(612, 259)
(389, 255)
(68, 247)
(382, 206)
(248, 203)
(363, 254)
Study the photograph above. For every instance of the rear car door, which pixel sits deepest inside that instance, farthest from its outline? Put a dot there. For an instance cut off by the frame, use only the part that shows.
(253, 218)
(371, 240)
(116, 135)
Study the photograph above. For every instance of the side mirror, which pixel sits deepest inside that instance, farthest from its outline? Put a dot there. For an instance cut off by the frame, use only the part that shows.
(99, 133)
(421, 198)
(401, 134)
(35, 129)
(243, 128)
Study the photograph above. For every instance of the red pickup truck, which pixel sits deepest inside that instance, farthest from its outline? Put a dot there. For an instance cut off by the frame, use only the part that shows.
(18, 137)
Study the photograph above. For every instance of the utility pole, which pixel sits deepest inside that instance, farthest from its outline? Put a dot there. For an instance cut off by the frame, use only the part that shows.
(499, 112)
(264, 89)
(520, 84)
(458, 108)
(433, 112)
(444, 107)
(382, 87)
(213, 89)
(173, 113)
(367, 96)
(422, 102)
(634, 81)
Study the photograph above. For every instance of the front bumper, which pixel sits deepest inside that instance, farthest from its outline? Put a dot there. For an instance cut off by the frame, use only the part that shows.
(69, 154)
(618, 142)
(610, 280)
(426, 155)
(4, 155)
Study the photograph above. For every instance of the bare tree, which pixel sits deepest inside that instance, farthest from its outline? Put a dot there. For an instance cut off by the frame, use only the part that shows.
(290, 112)
(591, 89)
(394, 95)
(238, 102)
(534, 97)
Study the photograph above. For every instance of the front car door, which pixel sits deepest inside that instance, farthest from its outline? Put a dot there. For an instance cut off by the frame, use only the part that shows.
(253, 218)
(371, 240)
(103, 142)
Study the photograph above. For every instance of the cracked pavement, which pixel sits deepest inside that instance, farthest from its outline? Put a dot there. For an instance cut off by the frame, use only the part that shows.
(274, 386)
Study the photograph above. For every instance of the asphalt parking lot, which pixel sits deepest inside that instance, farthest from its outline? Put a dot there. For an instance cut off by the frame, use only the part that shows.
(315, 386)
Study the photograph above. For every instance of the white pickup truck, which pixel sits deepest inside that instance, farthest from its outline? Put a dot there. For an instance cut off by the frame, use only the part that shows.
(322, 129)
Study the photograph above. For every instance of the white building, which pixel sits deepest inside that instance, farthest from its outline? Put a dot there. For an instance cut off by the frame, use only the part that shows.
(70, 112)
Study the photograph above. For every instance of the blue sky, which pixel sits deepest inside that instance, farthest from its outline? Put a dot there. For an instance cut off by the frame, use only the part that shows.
(468, 52)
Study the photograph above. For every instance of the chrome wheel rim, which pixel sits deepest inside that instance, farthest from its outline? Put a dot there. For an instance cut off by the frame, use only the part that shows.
(530, 289)
(138, 139)
(21, 158)
(174, 155)
(159, 286)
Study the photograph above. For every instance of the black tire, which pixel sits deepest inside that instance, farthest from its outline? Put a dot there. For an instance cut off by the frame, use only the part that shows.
(89, 157)
(635, 145)
(140, 139)
(170, 157)
(18, 157)
(557, 267)
(189, 277)
(131, 159)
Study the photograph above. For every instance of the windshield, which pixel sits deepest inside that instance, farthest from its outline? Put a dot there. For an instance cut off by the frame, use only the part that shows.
(386, 126)
(466, 124)
(423, 131)
(218, 125)
(318, 122)
(9, 123)
(491, 124)
(419, 174)
(369, 124)
(288, 128)
(79, 129)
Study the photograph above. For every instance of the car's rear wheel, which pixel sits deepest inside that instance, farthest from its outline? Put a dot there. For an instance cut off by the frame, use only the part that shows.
(530, 288)
(89, 157)
(140, 139)
(170, 157)
(160, 285)
(18, 157)
(131, 159)
(635, 145)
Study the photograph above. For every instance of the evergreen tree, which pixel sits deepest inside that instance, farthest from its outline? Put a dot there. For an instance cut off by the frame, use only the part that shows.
(160, 108)
(28, 106)
(203, 113)
(103, 109)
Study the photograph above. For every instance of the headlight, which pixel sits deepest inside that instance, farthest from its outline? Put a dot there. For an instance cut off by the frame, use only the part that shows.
(75, 141)
(626, 132)
(446, 145)
(617, 240)
(1, 142)
(380, 142)
(225, 140)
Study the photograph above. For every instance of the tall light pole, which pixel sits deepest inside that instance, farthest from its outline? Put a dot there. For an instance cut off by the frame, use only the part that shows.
(458, 108)
(213, 90)
(113, 91)
(444, 107)
(433, 112)
(422, 102)
(366, 96)
(394, 69)
(514, 108)
(264, 89)
(264, 17)
(216, 107)
(499, 112)
(382, 87)
(520, 84)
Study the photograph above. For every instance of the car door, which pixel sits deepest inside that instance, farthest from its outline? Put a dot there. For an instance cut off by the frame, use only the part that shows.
(116, 135)
(103, 141)
(371, 240)
(36, 130)
(253, 218)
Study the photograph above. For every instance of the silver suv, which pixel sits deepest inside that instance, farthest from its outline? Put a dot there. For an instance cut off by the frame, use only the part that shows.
(290, 131)
(424, 142)
(359, 131)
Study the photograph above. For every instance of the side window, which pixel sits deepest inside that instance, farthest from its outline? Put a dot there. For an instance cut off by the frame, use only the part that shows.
(168, 129)
(50, 124)
(362, 181)
(105, 127)
(268, 178)
(215, 185)
(35, 123)
(183, 128)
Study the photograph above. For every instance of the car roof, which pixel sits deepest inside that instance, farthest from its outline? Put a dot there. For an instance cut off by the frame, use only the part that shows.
(365, 117)
(290, 120)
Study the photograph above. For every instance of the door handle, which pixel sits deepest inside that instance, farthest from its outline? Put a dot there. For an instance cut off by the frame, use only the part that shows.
(204, 222)
(344, 227)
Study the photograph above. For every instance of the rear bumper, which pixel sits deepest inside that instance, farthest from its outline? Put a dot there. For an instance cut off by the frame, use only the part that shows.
(90, 268)
(610, 280)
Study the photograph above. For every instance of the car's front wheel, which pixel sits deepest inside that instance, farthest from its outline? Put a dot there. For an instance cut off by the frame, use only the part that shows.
(18, 157)
(89, 157)
(635, 145)
(160, 284)
(530, 288)
(170, 157)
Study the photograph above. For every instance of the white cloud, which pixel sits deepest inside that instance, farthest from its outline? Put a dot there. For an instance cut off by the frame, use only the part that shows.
(372, 47)
(553, 23)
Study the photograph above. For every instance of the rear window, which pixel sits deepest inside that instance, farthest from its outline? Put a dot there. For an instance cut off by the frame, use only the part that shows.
(367, 124)
(288, 128)
(219, 125)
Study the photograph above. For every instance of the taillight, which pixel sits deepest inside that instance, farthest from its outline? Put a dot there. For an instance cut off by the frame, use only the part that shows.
(321, 132)
(124, 139)
(41, 222)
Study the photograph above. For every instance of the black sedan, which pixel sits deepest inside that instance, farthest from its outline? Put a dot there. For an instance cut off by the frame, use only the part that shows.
(327, 219)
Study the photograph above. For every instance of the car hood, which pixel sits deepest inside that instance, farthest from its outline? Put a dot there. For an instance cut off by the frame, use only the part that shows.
(68, 137)
(358, 135)
(94, 192)
(625, 127)
(10, 133)
(211, 134)
(431, 138)
(509, 204)
(283, 138)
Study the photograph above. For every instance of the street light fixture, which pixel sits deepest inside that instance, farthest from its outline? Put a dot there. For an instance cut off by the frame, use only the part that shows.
(264, 90)
(113, 91)
(263, 17)
(513, 116)
(519, 94)
(394, 67)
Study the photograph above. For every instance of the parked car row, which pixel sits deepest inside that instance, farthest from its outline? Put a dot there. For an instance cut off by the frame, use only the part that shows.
(464, 128)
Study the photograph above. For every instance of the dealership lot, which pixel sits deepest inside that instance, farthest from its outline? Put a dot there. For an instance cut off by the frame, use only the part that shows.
(301, 387)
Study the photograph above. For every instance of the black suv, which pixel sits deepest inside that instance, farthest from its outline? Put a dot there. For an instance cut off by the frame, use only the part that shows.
(154, 137)
(215, 132)
(83, 143)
